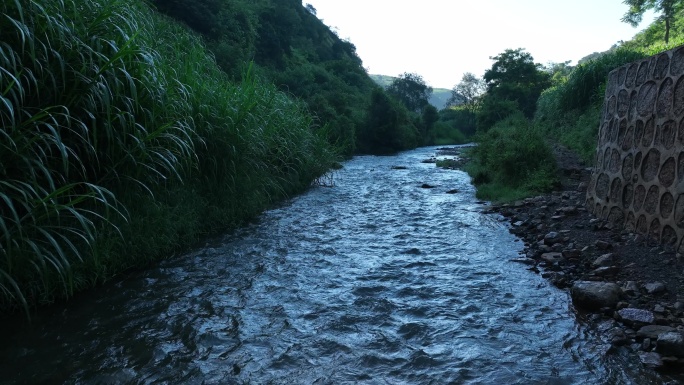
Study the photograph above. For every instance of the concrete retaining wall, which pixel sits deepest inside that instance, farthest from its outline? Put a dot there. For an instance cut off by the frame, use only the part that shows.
(638, 180)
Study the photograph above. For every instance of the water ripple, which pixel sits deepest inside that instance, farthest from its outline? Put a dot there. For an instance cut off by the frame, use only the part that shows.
(374, 281)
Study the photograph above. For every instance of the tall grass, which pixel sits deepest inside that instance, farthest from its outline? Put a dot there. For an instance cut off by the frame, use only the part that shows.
(569, 112)
(585, 84)
(121, 141)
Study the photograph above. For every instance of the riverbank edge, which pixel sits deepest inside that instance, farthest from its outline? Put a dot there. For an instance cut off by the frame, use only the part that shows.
(567, 245)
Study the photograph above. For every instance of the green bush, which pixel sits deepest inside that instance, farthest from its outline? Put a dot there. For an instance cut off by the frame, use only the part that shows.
(493, 110)
(512, 160)
(459, 118)
(443, 134)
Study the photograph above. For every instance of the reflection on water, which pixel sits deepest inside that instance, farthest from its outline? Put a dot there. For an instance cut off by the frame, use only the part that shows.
(373, 281)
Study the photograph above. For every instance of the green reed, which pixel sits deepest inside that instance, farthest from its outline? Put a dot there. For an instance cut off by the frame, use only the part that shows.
(121, 141)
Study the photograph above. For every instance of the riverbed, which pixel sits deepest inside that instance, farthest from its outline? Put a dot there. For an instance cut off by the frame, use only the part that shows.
(390, 273)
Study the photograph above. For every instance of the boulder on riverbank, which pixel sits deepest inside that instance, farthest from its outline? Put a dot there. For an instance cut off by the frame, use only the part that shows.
(591, 295)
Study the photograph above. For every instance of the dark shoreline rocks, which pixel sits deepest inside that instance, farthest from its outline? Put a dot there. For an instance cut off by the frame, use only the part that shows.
(623, 285)
(613, 275)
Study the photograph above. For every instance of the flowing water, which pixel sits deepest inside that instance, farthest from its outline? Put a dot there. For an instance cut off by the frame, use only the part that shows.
(373, 281)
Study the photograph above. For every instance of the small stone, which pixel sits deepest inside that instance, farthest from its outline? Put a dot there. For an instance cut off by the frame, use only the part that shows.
(571, 253)
(630, 288)
(654, 331)
(659, 309)
(604, 260)
(646, 344)
(602, 245)
(632, 316)
(605, 271)
(425, 185)
(617, 336)
(452, 191)
(654, 287)
(552, 257)
(671, 344)
(651, 359)
(550, 238)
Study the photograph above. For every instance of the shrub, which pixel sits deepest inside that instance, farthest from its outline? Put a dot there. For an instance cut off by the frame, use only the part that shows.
(512, 158)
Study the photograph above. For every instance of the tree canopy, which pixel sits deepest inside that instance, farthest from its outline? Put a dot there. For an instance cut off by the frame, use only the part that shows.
(515, 77)
(667, 9)
(411, 90)
(468, 91)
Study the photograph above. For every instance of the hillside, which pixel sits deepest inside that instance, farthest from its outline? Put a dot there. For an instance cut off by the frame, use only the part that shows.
(293, 49)
(439, 97)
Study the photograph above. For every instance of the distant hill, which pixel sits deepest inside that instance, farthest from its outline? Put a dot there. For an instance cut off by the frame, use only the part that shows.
(438, 98)
(383, 80)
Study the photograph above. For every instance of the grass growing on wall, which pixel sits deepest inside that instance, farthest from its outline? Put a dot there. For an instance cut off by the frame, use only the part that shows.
(121, 141)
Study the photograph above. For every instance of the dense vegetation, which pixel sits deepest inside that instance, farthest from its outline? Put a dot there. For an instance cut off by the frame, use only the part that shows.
(289, 46)
(521, 119)
(127, 135)
(121, 141)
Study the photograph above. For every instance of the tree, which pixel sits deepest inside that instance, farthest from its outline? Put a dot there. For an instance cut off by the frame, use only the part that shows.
(410, 89)
(559, 72)
(429, 117)
(668, 9)
(515, 76)
(467, 92)
(388, 126)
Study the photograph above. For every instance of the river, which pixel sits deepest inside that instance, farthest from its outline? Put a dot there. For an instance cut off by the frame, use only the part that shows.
(375, 280)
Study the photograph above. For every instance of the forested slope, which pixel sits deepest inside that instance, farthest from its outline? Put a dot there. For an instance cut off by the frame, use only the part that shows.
(293, 49)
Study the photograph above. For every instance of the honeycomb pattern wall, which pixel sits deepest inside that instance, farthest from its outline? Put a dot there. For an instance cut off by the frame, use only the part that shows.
(638, 178)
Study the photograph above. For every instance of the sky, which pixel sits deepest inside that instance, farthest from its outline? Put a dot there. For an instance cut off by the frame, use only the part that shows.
(440, 40)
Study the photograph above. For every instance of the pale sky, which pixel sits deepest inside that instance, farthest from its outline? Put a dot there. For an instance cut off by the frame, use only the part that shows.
(442, 39)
